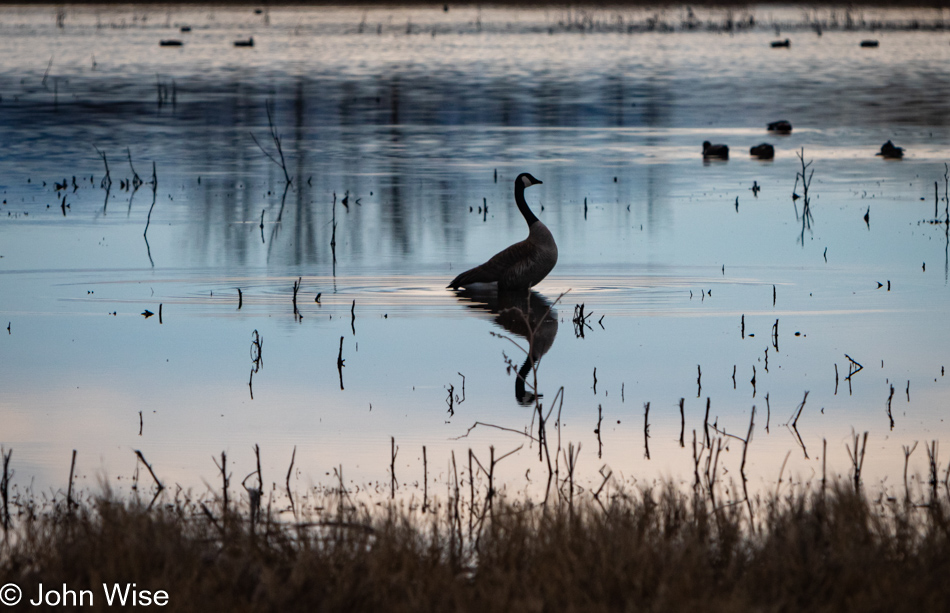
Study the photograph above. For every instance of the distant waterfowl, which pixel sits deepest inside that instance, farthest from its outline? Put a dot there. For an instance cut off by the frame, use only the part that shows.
(715, 152)
(523, 264)
(781, 43)
(891, 151)
(186, 28)
(170, 43)
(782, 127)
(245, 43)
(869, 43)
(764, 151)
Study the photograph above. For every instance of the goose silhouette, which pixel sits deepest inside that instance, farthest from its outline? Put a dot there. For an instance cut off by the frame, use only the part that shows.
(523, 264)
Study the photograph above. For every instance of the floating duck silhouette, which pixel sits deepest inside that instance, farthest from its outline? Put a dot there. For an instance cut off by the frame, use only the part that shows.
(869, 43)
(523, 264)
(170, 43)
(781, 43)
(890, 151)
(782, 127)
(763, 151)
(245, 43)
(715, 152)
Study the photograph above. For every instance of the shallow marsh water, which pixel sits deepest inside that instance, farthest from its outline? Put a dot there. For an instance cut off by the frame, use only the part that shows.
(410, 113)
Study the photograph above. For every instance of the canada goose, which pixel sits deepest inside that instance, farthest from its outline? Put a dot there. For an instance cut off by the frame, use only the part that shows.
(169, 43)
(869, 43)
(764, 151)
(245, 43)
(781, 43)
(526, 314)
(891, 151)
(782, 127)
(711, 151)
(523, 264)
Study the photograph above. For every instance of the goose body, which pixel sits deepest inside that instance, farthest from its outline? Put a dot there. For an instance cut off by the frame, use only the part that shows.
(523, 264)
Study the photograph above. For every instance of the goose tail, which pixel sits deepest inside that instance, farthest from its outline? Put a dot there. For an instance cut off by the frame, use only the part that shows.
(475, 275)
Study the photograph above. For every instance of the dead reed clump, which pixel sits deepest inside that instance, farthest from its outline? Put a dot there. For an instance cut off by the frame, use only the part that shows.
(829, 549)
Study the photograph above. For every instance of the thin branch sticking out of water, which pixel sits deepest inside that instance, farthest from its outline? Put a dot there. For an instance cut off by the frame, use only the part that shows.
(277, 143)
(806, 177)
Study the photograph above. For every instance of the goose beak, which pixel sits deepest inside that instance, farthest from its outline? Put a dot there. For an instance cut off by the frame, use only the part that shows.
(538, 182)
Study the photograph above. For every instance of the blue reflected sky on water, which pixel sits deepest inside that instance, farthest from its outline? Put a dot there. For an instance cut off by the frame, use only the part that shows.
(413, 129)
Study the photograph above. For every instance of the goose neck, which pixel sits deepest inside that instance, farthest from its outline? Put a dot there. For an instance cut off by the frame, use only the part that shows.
(529, 217)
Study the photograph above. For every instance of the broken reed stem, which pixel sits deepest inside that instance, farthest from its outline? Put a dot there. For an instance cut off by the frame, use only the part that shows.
(340, 363)
(225, 481)
(682, 423)
(296, 289)
(907, 453)
(745, 448)
(425, 481)
(290, 471)
(646, 429)
(932, 459)
(392, 467)
(857, 458)
(890, 415)
(5, 487)
(69, 489)
(106, 182)
(158, 483)
(707, 442)
(799, 412)
(136, 179)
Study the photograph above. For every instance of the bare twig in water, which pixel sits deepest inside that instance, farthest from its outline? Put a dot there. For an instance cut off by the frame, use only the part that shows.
(290, 471)
(136, 179)
(340, 362)
(225, 481)
(806, 177)
(890, 415)
(69, 490)
(932, 462)
(857, 458)
(257, 359)
(5, 488)
(425, 481)
(646, 429)
(297, 315)
(254, 494)
(745, 448)
(799, 411)
(106, 182)
(392, 467)
(907, 453)
(277, 143)
(600, 420)
(682, 423)
(141, 457)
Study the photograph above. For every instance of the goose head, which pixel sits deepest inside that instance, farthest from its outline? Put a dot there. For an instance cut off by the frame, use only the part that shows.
(526, 180)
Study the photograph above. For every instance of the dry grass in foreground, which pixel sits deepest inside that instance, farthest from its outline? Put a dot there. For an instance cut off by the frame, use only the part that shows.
(816, 550)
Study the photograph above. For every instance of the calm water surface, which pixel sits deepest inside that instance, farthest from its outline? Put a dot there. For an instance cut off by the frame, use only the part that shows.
(411, 114)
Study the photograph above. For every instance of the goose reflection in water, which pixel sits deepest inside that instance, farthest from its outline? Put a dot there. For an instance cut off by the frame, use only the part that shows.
(523, 313)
